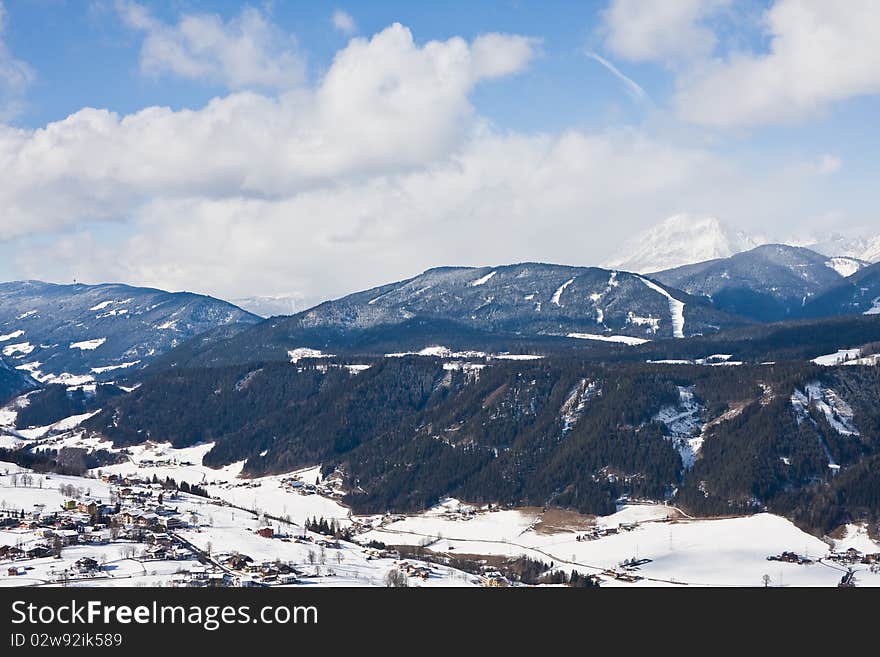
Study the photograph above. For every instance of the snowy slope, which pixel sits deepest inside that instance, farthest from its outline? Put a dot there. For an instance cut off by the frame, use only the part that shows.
(680, 240)
(55, 332)
(863, 248)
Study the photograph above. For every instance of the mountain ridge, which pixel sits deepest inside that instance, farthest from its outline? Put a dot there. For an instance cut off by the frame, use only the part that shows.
(78, 332)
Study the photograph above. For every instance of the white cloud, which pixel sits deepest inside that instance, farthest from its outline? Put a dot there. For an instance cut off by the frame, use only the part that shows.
(496, 55)
(344, 22)
(819, 53)
(15, 76)
(386, 105)
(247, 51)
(494, 199)
(379, 170)
(641, 30)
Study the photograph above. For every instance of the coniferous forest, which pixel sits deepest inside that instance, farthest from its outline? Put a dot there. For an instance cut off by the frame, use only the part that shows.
(556, 431)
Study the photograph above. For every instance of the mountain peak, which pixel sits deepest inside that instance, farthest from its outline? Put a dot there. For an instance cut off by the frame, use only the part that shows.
(680, 240)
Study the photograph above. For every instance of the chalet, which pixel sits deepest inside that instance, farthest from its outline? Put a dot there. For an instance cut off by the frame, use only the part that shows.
(266, 532)
(68, 505)
(66, 536)
(10, 552)
(171, 522)
(158, 552)
(238, 561)
(86, 565)
(493, 578)
(148, 520)
(96, 536)
(88, 506)
(38, 552)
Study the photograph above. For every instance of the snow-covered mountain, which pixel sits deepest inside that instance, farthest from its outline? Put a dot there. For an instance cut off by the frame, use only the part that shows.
(74, 333)
(680, 240)
(865, 249)
(768, 283)
(462, 307)
(269, 306)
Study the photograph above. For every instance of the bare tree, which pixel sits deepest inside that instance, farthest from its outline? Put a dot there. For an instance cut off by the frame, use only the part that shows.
(396, 579)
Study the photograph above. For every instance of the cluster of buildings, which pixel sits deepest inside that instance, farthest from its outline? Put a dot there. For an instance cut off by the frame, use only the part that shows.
(139, 514)
(853, 556)
(597, 532)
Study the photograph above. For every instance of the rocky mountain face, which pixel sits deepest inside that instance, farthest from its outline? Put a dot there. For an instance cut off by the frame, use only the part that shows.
(68, 333)
(769, 283)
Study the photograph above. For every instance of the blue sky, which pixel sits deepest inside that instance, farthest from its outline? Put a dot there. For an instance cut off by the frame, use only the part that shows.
(312, 148)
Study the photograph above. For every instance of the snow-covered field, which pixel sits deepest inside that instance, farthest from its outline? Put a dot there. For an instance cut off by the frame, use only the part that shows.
(683, 551)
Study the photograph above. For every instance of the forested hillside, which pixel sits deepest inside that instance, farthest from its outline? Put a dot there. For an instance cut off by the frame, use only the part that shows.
(553, 431)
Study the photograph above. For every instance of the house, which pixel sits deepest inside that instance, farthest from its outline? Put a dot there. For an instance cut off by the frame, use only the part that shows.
(38, 552)
(266, 532)
(88, 506)
(10, 552)
(148, 520)
(68, 505)
(86, 565)
(171, 522)
(157, 552)
(66, 536)
(238, 561)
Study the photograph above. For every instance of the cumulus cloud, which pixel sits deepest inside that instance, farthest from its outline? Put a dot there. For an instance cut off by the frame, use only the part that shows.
(386, 105)
(15, 76)
(641, 30)
(497, 198)
(379, 170)
(819, 53)
(344, 22)
(247, 51)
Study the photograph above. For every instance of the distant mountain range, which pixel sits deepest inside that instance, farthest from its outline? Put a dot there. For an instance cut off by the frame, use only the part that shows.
(504, 305)
(73, 333)
(80, 333)
(684, 240)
